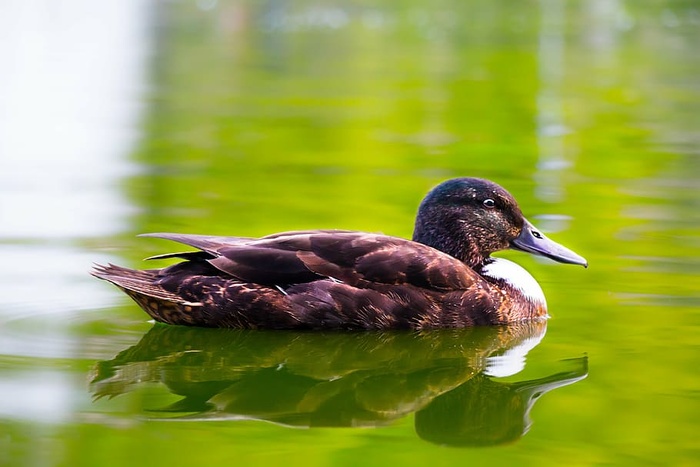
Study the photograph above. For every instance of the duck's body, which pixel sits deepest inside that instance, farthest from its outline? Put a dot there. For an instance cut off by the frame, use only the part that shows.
(333, 279)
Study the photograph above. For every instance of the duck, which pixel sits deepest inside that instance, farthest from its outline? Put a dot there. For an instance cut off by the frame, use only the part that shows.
(444, 277)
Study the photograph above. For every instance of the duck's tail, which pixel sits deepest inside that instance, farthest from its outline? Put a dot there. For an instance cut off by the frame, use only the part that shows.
(143, 288)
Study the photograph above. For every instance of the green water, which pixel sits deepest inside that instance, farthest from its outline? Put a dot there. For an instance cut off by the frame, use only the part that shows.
(246, 118)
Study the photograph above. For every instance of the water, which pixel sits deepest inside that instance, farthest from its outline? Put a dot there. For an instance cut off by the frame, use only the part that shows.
(248, 118)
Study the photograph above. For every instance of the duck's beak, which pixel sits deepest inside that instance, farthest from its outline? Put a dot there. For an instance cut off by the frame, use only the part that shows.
(533, 241)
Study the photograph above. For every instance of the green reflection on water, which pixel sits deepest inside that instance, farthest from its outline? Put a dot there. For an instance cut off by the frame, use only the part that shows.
(277, 116)
(341, 379)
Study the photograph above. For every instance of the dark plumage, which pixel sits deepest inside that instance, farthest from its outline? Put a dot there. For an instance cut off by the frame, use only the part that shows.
(338, 279)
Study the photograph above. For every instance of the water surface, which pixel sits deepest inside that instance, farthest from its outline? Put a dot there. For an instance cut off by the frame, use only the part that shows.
(248, 118)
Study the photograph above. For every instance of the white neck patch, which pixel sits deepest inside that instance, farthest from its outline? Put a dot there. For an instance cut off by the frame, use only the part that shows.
(516, 276)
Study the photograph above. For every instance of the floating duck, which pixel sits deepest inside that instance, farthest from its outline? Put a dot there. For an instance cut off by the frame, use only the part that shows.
(341, 279)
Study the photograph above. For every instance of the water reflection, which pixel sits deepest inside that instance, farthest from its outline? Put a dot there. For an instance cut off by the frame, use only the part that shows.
(445, 377)
(70, 113)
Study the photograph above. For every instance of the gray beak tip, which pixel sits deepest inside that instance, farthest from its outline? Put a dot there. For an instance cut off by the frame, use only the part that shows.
(532, 241)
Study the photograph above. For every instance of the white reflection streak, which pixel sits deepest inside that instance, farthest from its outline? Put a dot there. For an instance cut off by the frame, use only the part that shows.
(512, 361)
(603, 20)
(37, 396)
(550, 119)
(72, 76)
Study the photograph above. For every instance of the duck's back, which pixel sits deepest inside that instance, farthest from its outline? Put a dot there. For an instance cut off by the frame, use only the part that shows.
(311, 280)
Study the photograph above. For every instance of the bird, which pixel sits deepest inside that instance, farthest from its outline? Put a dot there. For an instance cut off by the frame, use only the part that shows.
(444, 277)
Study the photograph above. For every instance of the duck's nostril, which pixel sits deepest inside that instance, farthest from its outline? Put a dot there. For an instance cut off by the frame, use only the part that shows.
(536, 234)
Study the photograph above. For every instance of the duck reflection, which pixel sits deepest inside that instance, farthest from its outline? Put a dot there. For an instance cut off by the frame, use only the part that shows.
(344, 379)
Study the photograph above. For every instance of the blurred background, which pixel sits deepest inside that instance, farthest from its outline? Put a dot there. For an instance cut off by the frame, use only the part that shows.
(251, 117)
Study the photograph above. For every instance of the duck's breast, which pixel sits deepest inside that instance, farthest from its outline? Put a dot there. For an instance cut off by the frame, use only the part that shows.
(510, 273)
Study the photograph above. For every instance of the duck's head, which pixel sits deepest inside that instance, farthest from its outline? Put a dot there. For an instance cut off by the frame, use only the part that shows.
(470, 218)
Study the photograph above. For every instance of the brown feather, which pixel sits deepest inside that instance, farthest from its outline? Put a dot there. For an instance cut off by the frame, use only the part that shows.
(341, 279)
(198, 292)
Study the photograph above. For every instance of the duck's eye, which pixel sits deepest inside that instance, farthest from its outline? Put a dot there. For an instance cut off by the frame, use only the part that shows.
(489, 203)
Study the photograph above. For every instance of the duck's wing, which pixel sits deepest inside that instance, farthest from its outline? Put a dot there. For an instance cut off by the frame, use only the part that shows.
(357, 258)
(361, 258)
(208, 243)
(243, 258)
